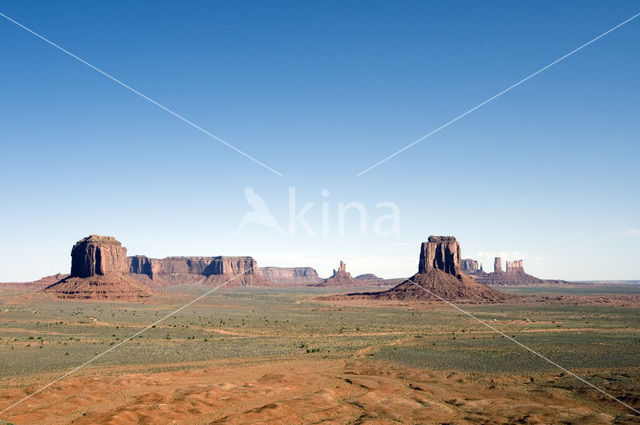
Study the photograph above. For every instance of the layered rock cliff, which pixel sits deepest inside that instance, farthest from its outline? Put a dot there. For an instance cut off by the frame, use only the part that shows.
(207, 270)
(98, 255)
(440, 253)
(140, 264)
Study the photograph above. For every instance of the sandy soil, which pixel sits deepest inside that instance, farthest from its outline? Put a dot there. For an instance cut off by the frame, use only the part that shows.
(357, 391)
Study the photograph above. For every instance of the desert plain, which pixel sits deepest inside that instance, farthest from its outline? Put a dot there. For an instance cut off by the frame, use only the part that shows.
(289, 356)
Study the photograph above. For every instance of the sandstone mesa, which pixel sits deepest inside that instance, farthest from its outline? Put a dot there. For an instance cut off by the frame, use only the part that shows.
(231, 271)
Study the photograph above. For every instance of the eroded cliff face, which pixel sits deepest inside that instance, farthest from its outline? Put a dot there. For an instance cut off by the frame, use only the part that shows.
(440, 253)
(242, 270)
(98, 255)
(514, 266)
(497, 265)
(205, 266)
(232, 265)
(193, 265)
(139, 264)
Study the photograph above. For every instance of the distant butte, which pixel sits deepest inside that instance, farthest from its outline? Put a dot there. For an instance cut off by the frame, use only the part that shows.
(439, 275)
(513, 275)
(340, 278)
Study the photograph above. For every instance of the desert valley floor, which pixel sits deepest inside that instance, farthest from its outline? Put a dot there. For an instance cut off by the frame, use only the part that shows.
(278, 355)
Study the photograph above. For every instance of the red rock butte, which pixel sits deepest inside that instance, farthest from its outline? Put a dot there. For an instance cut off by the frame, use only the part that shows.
(99, 271)
(439, 277)
(98, 255)
(340, 278)
(440, 253)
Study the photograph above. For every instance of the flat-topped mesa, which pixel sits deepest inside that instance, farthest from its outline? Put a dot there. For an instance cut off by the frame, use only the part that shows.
(290, 275)
(205, 266)
(98, 255)
(440, 253)
(497, 265)
(232, 271)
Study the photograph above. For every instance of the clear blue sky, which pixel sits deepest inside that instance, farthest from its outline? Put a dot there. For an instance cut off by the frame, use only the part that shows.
(320, 91)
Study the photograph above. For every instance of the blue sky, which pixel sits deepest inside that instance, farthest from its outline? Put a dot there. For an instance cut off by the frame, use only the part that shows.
(320, 91)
